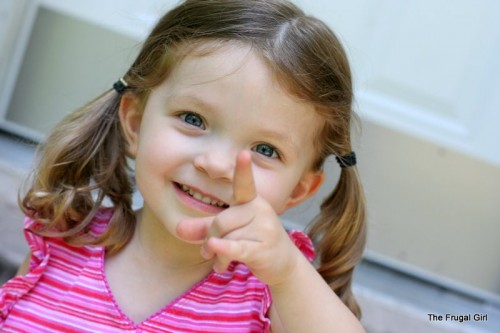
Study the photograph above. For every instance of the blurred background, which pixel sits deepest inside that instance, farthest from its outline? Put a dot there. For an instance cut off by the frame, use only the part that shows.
(427, 79)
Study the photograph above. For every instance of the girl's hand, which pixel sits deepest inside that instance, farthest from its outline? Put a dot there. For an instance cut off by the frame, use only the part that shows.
(249, 231)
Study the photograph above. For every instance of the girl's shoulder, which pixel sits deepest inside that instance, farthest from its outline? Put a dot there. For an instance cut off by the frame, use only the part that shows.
(95, 228)
(303, 243)
(45, 245)
(51, 256)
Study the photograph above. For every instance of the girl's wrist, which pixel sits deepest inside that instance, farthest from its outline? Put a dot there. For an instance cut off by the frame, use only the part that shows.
(293, 273)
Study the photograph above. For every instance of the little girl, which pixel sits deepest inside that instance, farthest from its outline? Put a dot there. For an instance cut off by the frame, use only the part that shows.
(229, 112)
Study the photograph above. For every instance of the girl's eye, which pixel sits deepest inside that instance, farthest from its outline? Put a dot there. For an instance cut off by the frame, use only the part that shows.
(266, 150)
(193, 119)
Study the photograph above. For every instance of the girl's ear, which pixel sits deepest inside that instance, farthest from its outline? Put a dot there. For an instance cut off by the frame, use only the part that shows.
(307, 187)
(130, 120)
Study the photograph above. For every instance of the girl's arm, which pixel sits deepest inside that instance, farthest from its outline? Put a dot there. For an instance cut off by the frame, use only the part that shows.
(25, 266)
(305, 303)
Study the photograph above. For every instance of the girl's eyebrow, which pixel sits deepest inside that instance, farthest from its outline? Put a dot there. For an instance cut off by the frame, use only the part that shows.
(285, 139)
(193, 100)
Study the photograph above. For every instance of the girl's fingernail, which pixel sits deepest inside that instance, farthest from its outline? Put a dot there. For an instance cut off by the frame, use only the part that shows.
(204, 252)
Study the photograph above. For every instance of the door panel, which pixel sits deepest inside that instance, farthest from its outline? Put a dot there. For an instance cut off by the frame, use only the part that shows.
(427, 80)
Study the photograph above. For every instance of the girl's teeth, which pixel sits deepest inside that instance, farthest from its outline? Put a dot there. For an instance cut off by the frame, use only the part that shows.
(202, 198)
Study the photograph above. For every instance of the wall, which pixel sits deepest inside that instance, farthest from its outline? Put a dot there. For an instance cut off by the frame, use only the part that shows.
(91, 59)
(14, 168)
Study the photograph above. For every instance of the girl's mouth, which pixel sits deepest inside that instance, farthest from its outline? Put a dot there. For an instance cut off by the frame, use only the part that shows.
(201, 197)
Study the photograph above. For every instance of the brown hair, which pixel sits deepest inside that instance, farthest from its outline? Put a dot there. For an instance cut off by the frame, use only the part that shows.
(84, 160)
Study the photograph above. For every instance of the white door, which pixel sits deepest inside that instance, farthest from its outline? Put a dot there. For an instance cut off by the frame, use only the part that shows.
(428, 90)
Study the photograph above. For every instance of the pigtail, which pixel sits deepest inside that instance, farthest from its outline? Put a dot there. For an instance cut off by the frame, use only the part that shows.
(82, 163)
(339, 232)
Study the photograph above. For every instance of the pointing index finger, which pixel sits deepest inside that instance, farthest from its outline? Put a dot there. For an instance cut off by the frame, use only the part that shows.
(243, 182)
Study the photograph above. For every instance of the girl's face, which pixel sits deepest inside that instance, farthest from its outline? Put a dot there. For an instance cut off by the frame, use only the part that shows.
(194, 124)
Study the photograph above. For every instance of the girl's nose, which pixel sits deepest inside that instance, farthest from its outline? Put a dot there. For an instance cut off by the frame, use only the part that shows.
(216, 163)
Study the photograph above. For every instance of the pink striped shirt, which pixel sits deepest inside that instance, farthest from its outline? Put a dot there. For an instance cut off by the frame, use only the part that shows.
(66, 291)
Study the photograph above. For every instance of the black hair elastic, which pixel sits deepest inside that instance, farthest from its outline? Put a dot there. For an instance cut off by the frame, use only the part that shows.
(348, 160)
(120, 86)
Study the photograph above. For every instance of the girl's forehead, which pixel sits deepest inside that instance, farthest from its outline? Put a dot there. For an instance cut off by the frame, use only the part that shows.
(208, 61)
(216, 61)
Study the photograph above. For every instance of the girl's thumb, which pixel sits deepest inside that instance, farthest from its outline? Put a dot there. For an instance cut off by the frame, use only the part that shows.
(194, 230)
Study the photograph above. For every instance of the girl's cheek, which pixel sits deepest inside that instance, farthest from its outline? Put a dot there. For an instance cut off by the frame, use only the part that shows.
(269, 189)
